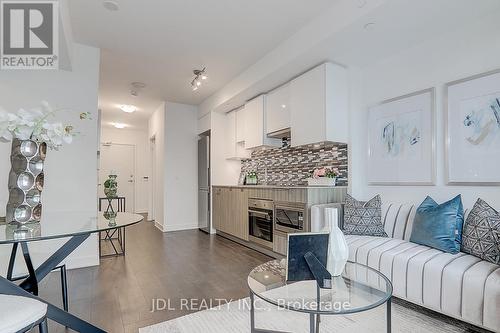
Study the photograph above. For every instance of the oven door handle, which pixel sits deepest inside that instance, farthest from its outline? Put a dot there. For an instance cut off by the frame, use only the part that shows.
(259, 214)
(292, 209)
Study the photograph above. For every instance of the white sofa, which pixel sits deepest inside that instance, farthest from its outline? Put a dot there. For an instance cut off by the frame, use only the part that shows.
(460, 286)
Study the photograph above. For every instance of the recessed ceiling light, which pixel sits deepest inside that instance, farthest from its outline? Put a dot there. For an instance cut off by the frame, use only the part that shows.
(118, 125)
(128, 108)
(370, 26)
(283, 106)
(111, 5)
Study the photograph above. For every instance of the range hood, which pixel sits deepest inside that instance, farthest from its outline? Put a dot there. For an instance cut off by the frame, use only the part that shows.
(284, 133)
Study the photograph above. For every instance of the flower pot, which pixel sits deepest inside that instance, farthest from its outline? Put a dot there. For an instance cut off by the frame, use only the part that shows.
(26, 181)
(321, 181)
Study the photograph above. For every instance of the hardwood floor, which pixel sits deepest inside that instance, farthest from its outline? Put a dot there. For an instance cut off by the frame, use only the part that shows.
(117, 295)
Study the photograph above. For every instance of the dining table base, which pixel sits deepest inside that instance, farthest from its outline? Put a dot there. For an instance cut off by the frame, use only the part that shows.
(29, 286)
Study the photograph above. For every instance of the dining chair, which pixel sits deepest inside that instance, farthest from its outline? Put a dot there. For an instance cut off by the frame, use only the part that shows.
(20, 314)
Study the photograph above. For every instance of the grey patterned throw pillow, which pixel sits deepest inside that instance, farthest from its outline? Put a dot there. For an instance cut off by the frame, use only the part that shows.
(363, 218)
(481, 233)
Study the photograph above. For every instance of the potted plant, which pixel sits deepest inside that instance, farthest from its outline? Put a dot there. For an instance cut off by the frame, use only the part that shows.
(324, 176)
(251, 178)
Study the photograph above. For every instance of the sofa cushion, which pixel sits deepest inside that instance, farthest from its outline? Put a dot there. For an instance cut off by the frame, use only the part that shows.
(363, 218)
(481, 232)
(439, 225)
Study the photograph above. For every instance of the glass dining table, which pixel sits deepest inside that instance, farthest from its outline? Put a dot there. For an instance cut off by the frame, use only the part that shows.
(76, 227)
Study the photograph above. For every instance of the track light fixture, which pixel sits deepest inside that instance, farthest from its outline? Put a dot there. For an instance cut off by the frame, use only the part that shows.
(199, 76)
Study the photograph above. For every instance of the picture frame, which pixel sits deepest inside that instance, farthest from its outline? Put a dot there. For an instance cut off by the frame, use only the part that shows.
(472, 130)
(402, 140)
(299, 244)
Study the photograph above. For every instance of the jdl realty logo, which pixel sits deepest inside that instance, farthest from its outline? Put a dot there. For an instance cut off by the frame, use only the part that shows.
(29, 35)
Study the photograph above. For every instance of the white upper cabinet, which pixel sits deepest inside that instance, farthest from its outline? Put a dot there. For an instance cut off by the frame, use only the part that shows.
(255, 124)
(235, 149)
(319, 106)
(240, 124)
(278, 109)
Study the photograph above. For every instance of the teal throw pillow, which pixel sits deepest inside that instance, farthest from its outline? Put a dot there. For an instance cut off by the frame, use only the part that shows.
(439, 225)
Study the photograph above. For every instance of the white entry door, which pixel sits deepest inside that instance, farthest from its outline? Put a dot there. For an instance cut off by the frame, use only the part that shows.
(120, 159)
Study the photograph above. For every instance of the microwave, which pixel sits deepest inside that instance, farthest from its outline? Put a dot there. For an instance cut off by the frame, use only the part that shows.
(290, 217)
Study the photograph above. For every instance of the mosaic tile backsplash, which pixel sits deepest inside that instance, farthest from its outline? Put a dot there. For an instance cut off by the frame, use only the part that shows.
(292, 166)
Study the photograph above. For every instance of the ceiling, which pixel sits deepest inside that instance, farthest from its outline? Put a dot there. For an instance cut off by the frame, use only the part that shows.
(160, 42)
(369, 35)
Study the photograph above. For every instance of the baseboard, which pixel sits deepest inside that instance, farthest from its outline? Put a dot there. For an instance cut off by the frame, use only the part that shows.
(159, 226)
(179, 227)
(252, 246)
(82, 262)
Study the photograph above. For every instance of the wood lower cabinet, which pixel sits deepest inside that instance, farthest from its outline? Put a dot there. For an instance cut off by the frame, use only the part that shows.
(238, 213)
(230, 206)
(280, 242)
(217, 208)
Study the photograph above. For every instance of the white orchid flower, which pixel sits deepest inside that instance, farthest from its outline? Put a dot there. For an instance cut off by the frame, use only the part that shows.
(28, 118)
(23, 132)
(7, 125)
(33, 125)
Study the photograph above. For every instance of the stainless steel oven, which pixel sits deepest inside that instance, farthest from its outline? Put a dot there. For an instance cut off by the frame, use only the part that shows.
(260, 222)
(290, 217)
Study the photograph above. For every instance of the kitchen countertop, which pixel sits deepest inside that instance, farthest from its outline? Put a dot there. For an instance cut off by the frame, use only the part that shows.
(279, 186)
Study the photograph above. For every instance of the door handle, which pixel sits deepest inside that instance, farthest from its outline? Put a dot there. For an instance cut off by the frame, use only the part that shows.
(256, 213)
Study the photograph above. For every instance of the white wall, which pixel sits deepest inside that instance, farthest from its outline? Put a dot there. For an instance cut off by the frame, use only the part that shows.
(204, 123)
(176, 187)
(140, 140)
(458, 54)
(157, 197)
(181, 167)
(71, 173)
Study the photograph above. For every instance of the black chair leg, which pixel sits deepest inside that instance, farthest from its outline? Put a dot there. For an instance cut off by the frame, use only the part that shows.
(42, 327)
(64, 287)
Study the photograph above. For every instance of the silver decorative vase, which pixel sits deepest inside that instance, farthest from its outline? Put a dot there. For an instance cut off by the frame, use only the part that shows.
(26, 181)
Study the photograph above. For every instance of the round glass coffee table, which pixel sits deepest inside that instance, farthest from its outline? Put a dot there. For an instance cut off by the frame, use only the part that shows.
(359, 288)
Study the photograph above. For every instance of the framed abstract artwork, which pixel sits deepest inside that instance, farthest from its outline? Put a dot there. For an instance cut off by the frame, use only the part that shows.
(401, 135)
(473, 130)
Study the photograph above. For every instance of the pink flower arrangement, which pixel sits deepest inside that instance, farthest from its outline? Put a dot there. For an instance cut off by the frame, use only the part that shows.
(325, 172)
